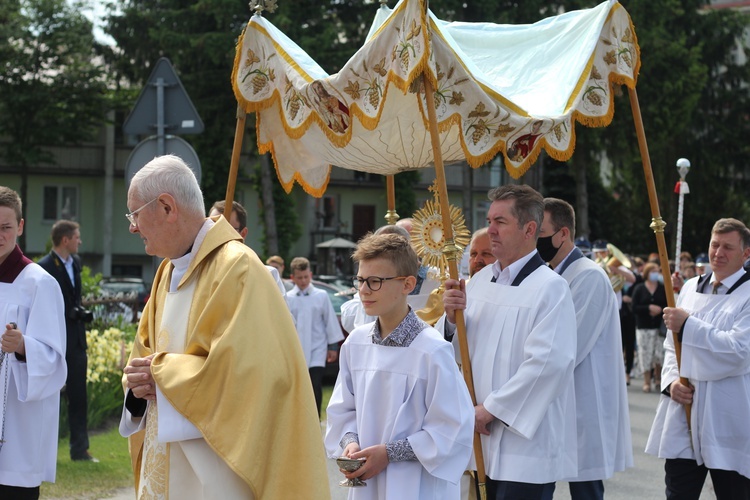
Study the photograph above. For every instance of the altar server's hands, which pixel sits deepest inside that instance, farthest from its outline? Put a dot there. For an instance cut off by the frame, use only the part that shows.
(377, 460)
(682, 394)
(674, 318)
(12, 340)
(482, 420)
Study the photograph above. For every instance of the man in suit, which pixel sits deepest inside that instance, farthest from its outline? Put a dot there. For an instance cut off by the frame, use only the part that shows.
(64, 265)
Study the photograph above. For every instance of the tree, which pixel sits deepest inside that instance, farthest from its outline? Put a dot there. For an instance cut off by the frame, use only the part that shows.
(692, 91)
(52, 89)
(693, 95)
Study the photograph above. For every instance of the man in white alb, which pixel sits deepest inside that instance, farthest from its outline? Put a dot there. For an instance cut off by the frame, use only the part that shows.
(604, 443)
(521, 333)
(712, 321)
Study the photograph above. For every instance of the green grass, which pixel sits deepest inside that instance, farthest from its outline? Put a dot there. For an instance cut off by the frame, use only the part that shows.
(327, 390)
(86, 480)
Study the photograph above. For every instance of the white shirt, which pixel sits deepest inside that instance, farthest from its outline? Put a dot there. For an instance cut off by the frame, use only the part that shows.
(68, 263)
(727, 282)
(317, 325)
(507, 275)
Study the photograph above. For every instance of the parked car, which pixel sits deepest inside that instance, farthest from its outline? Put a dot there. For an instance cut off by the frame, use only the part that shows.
(340, 282)
(129, 288)
(338, 296)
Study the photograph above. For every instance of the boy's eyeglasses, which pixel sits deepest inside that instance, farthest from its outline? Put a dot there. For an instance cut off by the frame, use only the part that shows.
(374, 283)
(131, 216)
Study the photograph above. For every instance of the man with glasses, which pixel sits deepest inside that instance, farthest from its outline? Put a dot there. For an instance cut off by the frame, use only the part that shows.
(213, 409)
(352, 312)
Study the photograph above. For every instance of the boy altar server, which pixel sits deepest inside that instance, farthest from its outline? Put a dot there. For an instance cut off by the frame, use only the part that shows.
(32, 362)
(399, 400)
(317, 327)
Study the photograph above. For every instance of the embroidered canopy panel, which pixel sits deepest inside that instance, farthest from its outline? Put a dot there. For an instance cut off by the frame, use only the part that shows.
(510, 89)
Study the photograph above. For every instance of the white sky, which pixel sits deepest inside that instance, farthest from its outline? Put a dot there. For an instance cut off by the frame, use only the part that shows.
(96, 13)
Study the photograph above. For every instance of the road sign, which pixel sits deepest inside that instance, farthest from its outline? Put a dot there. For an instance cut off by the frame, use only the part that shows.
(163, 106)
(148, 149)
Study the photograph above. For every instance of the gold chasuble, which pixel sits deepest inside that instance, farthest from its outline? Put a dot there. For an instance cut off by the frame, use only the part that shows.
(241, 378)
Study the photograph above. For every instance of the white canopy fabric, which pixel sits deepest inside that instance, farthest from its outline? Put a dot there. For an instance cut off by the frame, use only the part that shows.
(510, 89)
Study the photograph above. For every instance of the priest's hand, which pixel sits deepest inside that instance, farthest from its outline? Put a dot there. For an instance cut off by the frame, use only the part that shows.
(680, 393)
(482, 420)
(376, 461)
(454, 298)
(12, 340)
(674, 318)
(140, 381)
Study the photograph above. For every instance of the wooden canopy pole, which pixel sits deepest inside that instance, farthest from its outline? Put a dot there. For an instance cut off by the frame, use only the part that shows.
(452, 254)
(391, 216)
(239, 134)
(658, 225)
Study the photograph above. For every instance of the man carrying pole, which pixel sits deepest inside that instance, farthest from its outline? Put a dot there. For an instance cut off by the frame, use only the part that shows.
(521, 333)
(712, 322)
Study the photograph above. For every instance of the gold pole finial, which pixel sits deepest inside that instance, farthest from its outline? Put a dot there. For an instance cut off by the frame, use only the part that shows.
(258, 6)
(658, 225)
(391, 217)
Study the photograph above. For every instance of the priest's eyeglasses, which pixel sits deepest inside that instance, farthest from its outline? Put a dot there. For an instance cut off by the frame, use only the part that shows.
(374, 283)
(131, 216)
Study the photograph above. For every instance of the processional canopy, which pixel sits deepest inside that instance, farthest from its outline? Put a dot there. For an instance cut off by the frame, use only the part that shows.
(510, 89)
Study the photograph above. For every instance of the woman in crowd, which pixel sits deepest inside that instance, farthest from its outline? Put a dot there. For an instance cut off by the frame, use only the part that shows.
(648, 301)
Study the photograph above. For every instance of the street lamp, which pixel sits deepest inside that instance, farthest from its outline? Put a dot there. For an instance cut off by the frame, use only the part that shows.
(683, 167)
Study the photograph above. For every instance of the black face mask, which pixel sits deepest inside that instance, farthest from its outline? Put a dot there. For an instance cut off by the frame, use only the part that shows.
(546, 249)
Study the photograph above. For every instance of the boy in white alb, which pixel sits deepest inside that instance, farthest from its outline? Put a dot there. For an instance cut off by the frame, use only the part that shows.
(317, 326)
(32, 362)
(399, 400)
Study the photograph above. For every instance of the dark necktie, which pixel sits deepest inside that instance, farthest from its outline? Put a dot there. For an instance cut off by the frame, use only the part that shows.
(716, 286)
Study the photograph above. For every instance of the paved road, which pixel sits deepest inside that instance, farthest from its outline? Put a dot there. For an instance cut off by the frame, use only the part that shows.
(645, 481)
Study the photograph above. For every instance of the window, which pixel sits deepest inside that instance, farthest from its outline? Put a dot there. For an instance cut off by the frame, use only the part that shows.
(326, 211)
(60, 202)
(481, 208)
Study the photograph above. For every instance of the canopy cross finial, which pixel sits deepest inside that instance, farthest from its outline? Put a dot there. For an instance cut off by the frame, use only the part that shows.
(260, 5)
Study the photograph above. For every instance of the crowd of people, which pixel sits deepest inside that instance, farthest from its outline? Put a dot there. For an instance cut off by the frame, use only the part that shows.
(223, 387)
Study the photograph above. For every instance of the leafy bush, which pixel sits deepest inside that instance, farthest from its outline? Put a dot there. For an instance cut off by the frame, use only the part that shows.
(110, 339)
(107, 352)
